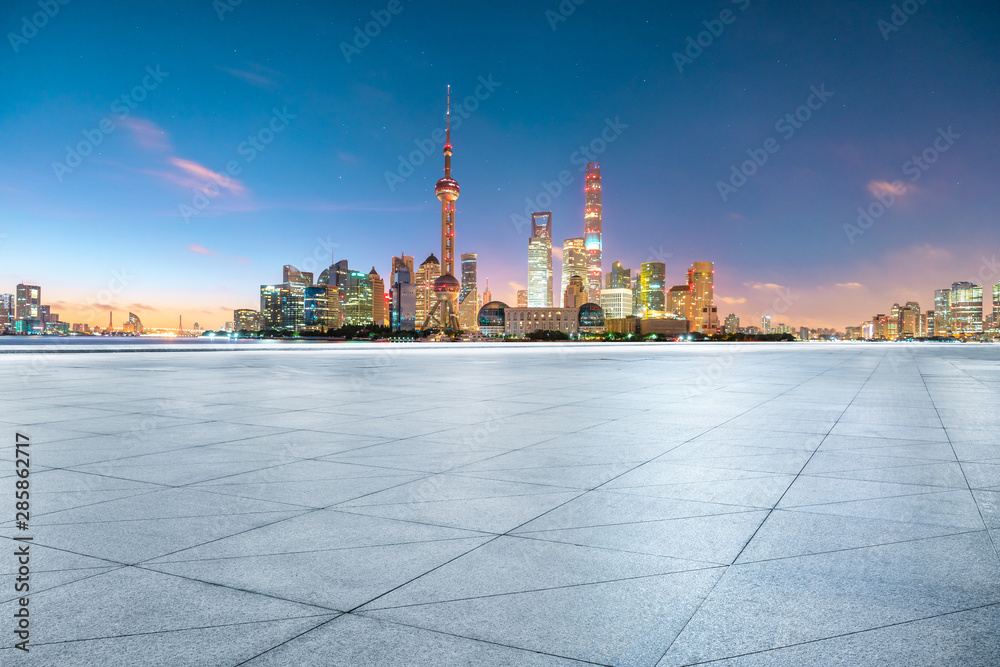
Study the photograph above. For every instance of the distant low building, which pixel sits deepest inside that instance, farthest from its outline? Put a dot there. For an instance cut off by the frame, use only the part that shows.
(663, 326)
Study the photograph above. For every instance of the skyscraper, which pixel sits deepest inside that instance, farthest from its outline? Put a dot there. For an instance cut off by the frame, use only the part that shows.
(468, 300)
(616, 302)
(680, 302)
(592, 230)
(246, 319)
(701, 278)
(942, 312)
(576, 293)
(444, 313)
(423, 285)
(522, 298)
(29, 303)
(574, 262)
(540, 261)
(400, 263)
(270, 305)
(652, 283)
(966, 309)
(732, 324)
(618, 277)
(358, 299)
(378, 298)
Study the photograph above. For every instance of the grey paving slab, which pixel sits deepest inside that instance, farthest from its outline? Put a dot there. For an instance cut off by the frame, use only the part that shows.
(553, 505)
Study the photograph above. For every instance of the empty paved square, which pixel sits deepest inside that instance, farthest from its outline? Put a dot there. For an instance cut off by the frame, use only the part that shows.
(649, 505)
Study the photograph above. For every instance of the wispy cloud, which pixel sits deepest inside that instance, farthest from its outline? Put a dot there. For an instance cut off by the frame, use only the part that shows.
(207, 176)
(731, 300)
(896, 188)
(142, 306)
(764, 285)
(257, 75)
(850, 285)
(147, 134)
(200, 249)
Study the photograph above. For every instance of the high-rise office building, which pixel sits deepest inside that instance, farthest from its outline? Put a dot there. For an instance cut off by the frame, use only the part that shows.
(470, 268)
(996, 305)
(616, 302)
(574, 262)
(942, 312)
(576, 292)
(358, 298)
(246, 319)
(378, 298)
(701, 278)
(403, 262)
(732, 323)
(966, 309)
(271, 297)
(28, 304)
(423, 285)
(540, 261)
(468, 301)
(8, 309)
(443, 313)
(593, 230)
(908, 322)
(680, 302)
(652, 285)
(618, 277)
(316, 308)
(765, 324)
(522, 298)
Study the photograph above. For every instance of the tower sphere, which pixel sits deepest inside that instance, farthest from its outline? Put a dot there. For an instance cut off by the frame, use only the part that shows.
(447, 189)
(447, 283)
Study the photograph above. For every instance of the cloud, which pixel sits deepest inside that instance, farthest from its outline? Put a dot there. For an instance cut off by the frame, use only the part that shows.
(850, 285)
(200, 249)
(731, 299)
(142, 306)
(764, 285)
(514, 285)
(147, 134)
(896, 188)
(207, 176)
(259, 77)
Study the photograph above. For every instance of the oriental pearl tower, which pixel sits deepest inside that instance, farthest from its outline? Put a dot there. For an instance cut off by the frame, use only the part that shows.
(444, 313)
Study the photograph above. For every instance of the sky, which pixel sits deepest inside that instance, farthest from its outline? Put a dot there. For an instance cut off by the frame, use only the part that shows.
(168, 158)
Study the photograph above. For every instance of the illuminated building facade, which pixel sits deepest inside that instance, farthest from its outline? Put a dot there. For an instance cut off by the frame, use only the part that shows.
(616, 302)
(701, 278)
(680, 302)
(428, 272)
(522, 298)
(28, 304)
(966, 309)
(592, 225)
(491, 318)
(520, 322)
(540, 261)
(576, 293)
(618, 277)
(732, 323)
(403, 297)
(133, 326)
(652, 285)
(942, 312)
(246, 319)
(271, 297)
(357, 290)
(378, 297)
(574, 262)
(8, 309)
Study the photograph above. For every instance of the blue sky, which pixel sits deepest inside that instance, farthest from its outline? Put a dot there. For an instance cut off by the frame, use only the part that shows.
(331, 121)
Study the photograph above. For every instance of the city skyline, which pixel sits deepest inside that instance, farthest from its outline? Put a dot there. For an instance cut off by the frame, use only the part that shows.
(845, 215)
